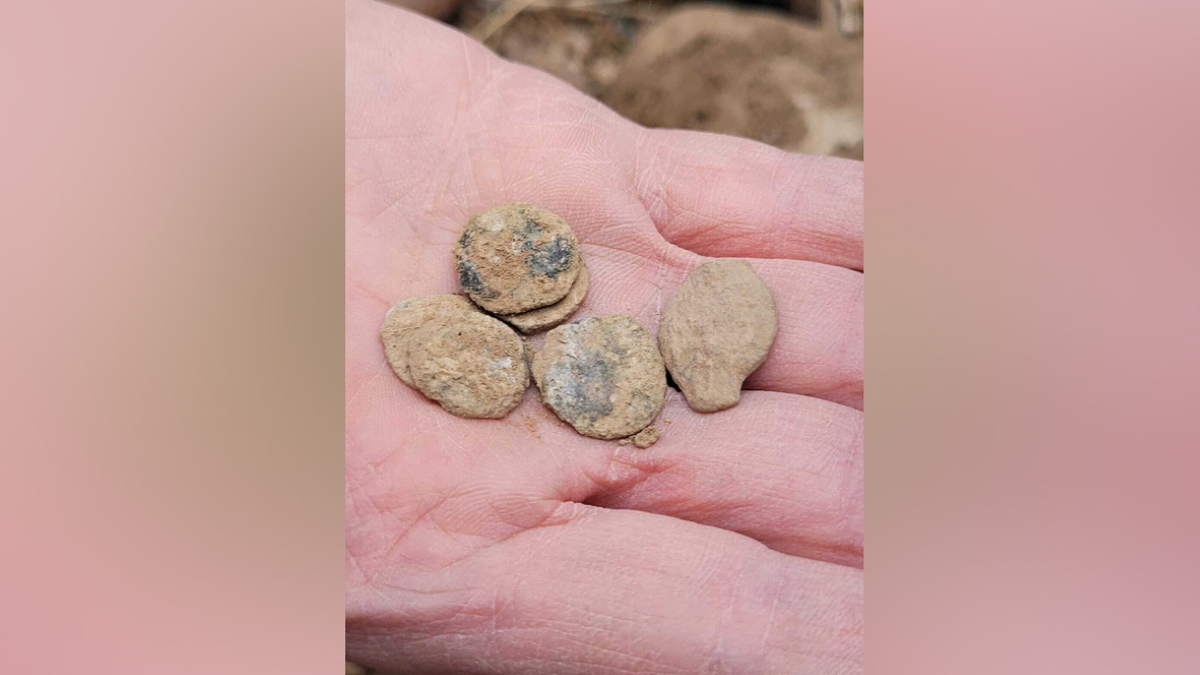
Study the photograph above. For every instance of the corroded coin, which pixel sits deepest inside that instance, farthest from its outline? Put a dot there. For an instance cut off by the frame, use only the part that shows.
(472, 364)
(551, 315)
(516, 257)
(715, 331)
(602, 375)
(406, 317)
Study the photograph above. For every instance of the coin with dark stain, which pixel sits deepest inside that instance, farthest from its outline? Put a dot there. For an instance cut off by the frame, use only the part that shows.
(516, 258)
(551, 315)
(602, 375)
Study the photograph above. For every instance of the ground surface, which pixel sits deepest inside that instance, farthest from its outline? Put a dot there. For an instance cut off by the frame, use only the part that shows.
(782, 76)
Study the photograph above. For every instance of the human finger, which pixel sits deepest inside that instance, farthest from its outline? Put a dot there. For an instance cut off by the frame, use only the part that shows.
(591, 590)
(722, 196)
(783, 469)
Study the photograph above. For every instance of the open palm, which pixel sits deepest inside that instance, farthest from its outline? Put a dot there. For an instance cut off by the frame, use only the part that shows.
(734, 545)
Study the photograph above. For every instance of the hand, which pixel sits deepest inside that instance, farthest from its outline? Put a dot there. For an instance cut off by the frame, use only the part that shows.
(734, 545)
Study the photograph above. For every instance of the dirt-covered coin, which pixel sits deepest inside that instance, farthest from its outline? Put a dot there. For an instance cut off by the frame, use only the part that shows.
(470, 363)
(602, 375)
(405, 317)
(551, 315)
(715, 331)
(516, 257)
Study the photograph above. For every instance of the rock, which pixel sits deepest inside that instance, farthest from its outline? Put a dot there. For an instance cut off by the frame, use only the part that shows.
(470, 363)
(715, 331)
(517, 257)
(602, 375)
(551, 315)
(755, 74)
(404, 318)
(646, 437)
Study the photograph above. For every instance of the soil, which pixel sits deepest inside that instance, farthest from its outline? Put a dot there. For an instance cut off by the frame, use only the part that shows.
(646, 437)
(792, 79)
(759, 75)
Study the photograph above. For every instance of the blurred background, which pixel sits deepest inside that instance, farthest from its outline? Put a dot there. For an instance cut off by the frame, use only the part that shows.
(788, 73)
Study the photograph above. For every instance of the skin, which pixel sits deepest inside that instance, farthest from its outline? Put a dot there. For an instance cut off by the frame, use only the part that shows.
(734, 544)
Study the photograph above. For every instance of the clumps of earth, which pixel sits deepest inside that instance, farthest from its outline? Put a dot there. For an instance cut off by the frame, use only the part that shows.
(790, 79)
(756, 74)
(520, 267)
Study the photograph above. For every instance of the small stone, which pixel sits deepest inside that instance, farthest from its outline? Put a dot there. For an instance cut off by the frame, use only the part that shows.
(406, 317)
(517, 257)
(602, 375)
(646, 437)
(470, 363)
(551, 315)
(715, 331)
(625, 441)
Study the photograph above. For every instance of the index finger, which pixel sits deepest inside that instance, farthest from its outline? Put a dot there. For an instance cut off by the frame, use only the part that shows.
(729, 197)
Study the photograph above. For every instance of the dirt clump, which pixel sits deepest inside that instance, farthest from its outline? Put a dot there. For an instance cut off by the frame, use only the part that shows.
(581, 43)
(756, 74)
(517, 257)
(646, 437)
(551, 315)
(602, 375)
(408, 316)
(470, 363)
(717, 329)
